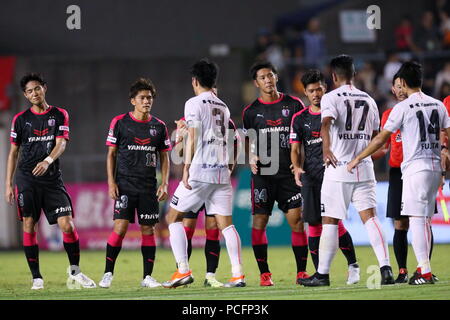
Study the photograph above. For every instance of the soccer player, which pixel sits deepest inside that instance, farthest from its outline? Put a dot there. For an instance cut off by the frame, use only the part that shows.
(135, 140)
(41, 133)
(349, 121)
(206, 175)
(267, 120)
(305, 130)
(420, 119)
(401, 223)
(212, 244)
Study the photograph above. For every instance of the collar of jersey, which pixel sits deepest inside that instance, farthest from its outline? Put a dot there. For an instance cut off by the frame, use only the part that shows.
(40, 114)
(141, 121)
(273, 102)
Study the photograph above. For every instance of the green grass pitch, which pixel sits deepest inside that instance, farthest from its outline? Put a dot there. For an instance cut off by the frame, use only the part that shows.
(15, 278)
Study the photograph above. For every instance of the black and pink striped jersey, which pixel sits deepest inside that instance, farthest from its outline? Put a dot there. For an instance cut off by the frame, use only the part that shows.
(269, 118)
(36, 134)
(138, 144)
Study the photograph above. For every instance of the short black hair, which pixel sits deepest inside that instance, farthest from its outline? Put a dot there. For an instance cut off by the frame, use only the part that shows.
(412, 73)
(343, 66)
(258, 65)
(140, 85)
(206, 72)
(32, 76)
(312, 76)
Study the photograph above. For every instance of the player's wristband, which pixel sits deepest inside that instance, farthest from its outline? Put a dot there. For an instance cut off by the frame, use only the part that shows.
(443, 147)
(443, 173)
(49, 160)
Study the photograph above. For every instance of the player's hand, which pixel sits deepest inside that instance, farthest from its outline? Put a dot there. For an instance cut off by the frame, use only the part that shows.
(441, 186)
(254, 164)
(181, 130)
(162, 192)
(186, 179)
(297, 174)
(40, 168)
(113, 190)
(444, 159)
(329, 158)
(352, 164)
(9, 194)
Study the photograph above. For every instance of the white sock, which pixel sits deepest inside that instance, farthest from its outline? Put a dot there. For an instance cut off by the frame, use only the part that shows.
(233, 243)
(210, 274)
(420, 241)
(178, 242)
(328, 245)
(378, 241)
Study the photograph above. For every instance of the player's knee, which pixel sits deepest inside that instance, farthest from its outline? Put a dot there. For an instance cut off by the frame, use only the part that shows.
(402, 224)
(147, 230)
(28, 225)
(121, 227)
(260, 221)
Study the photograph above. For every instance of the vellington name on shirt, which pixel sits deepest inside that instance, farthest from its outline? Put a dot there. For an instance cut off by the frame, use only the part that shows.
(354, 136)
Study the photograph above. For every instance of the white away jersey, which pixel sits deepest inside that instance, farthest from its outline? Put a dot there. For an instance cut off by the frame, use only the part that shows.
(208, 114)
(355, 116)
(420, 119)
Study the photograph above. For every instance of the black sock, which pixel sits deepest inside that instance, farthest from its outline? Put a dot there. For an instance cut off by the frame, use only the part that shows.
(313, 243)
(111, 256)
(32, 255)
(347, 248)
(260, 252)
(212, 253)
(432, 242)
(301, 257)
(73, 252)
(148, 256)
(401, 247)
(189, 248)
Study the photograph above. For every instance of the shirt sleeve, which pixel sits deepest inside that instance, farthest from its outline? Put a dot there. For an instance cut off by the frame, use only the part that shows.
(62, 129)
(192, 114)
(376, 125)
(246, 121)
(395, 120)
(16, 131)
(328, 107)
(113, 133)
(296, 132)
(165, 144)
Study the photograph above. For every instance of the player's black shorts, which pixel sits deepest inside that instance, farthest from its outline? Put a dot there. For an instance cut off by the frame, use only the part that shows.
(35, 195)
(394, 203)
(194, 215)
(311, 212)
(136, 197)
(268, 189)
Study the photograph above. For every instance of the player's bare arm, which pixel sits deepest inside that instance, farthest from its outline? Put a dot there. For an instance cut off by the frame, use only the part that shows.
(111, 161)
(181, 134)
(296, 159)
(10, 169)
(57, 151)
(162, 192)
(328, 156)
(236, 152)
(376, 143)
(190, 150)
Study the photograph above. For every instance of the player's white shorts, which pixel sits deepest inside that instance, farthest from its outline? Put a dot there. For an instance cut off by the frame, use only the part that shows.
(337, 195)
(218, 198)
(419, 193)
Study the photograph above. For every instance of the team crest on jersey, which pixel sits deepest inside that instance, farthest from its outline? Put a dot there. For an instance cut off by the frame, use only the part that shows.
(285, 112)
(51, 122)
(153, 132)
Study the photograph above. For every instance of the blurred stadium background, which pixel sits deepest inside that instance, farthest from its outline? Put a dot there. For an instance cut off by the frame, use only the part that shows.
(90, 70)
